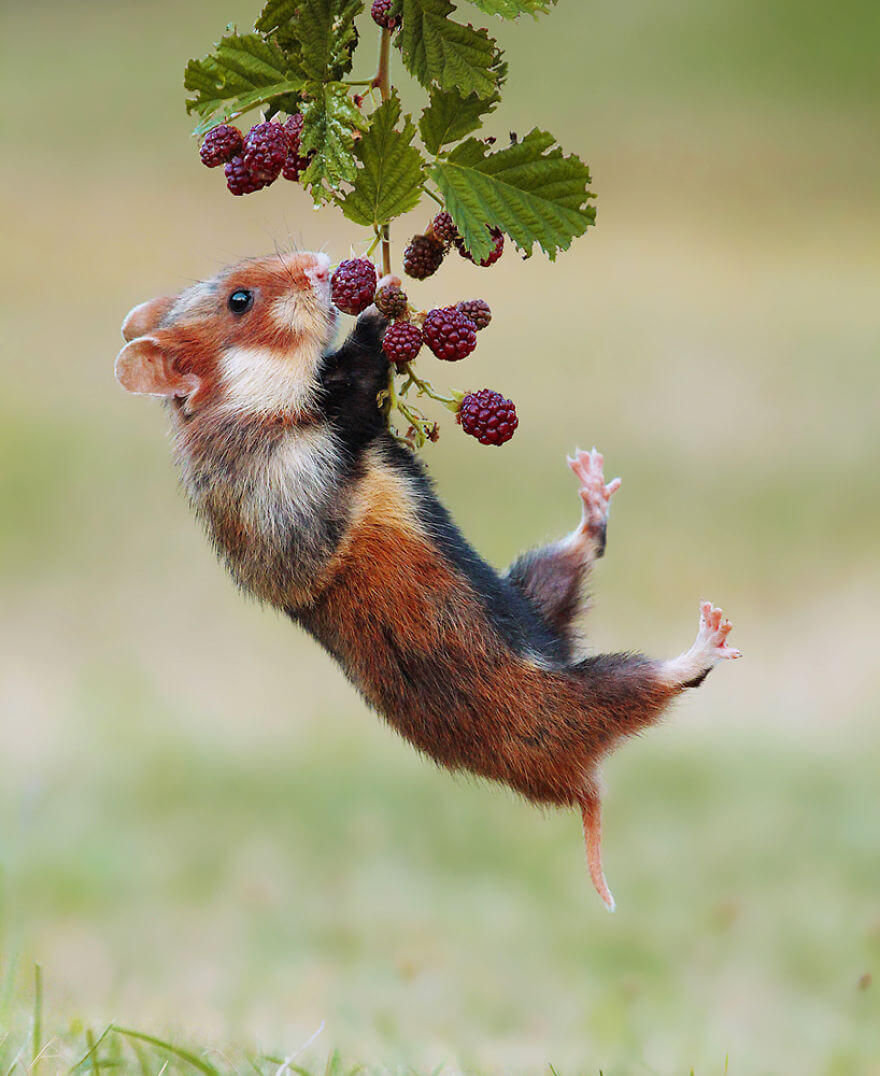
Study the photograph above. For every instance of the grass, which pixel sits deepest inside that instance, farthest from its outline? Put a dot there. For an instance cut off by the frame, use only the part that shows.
(203, 834)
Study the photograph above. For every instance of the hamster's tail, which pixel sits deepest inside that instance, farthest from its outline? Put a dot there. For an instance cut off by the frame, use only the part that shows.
(591, 812)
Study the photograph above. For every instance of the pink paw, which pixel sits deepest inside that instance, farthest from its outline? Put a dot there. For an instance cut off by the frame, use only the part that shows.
(595, 494)
(712, 633)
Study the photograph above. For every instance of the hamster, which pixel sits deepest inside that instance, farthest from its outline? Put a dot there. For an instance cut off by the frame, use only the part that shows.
(318, 510)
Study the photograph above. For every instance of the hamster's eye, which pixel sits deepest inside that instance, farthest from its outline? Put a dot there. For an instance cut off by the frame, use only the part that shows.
(239, 302)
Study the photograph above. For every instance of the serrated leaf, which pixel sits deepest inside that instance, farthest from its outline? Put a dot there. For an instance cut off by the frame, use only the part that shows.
(243, 72)
(440, 52)
(390, 179)
(275, 14)
(449, 117)
(512, 9)
(529, 190)
(326, 34)
(330, 118)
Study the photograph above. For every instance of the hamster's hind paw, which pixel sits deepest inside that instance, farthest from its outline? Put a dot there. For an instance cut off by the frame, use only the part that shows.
(594, 493)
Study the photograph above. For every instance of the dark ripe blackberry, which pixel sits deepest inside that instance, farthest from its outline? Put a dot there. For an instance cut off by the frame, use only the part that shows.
(477, 310)
(391, 301)
(493, 255)
(293, 129)
(443, 226)
(449, 334)
(488, 416)
(239, 178)
(402, 342)
(265, 151)
(295, 163)
(422, 257)
(385, 14)
(221, 144)
(353, 285)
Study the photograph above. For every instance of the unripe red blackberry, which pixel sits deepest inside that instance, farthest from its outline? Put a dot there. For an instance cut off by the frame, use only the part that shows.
(221, 144)
(449, 334)
(353, 285)
(402, 342)
(477, 310)
(493, 255)
(488, 416)
(443, 226)
(422, 257)
(385, 14)
(239, 178)
(265, 151)
(391, 300)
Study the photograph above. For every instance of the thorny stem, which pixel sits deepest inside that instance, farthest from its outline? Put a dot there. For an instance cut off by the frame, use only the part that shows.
(383, 82)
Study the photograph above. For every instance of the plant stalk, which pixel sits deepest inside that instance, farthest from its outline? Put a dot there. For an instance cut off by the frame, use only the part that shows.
(383, 82)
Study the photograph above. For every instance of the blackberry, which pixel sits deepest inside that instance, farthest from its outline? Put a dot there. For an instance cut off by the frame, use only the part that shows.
(443, 226)
(391, 301)
(265, 151)
(385, 14)
(449, 334)
(353, 285)
(477, 310)
(221, 144)
(402, 342)
(422, 256)
(488, 416)
(295, 163)
(239, 178)
(493, 255)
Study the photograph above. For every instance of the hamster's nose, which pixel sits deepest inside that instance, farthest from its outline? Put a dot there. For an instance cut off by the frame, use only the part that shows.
(320, 272)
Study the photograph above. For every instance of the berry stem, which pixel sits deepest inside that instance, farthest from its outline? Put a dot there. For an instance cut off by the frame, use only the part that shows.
(426, 388)
(436, 197)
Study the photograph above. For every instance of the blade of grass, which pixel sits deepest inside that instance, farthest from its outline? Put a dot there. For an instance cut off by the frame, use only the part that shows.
(37, 1046)
(92, 1044)
(175, 1051)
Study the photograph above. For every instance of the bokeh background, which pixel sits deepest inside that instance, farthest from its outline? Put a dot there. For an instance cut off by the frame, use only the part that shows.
(204, 833)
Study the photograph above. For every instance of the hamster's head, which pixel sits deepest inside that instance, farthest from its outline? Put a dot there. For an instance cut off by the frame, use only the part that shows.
(248, 340)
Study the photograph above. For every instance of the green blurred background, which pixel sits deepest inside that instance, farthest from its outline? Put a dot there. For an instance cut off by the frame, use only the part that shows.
(203, 831)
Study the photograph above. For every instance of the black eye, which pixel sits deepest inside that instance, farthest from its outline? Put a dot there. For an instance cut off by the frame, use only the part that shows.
(240, 301)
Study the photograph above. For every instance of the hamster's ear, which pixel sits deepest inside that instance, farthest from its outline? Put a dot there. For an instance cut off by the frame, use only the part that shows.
(145, 317)
(145, 367)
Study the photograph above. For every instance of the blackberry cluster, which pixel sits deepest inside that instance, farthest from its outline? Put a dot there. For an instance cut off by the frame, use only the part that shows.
(385, 14)
(402, 342)
(353, 285)
(269, 150)
(423, 256)
(449, 334)
(477, 310)
(493, 255)
(488, 416)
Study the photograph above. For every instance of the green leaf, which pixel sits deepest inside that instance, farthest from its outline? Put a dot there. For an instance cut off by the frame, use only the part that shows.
(512, 9)
(276, 14)
(529, 190)
(447, 54)
(390, 179)
(330, 119)
(326, 35)
(449, 117)
(243, 72)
